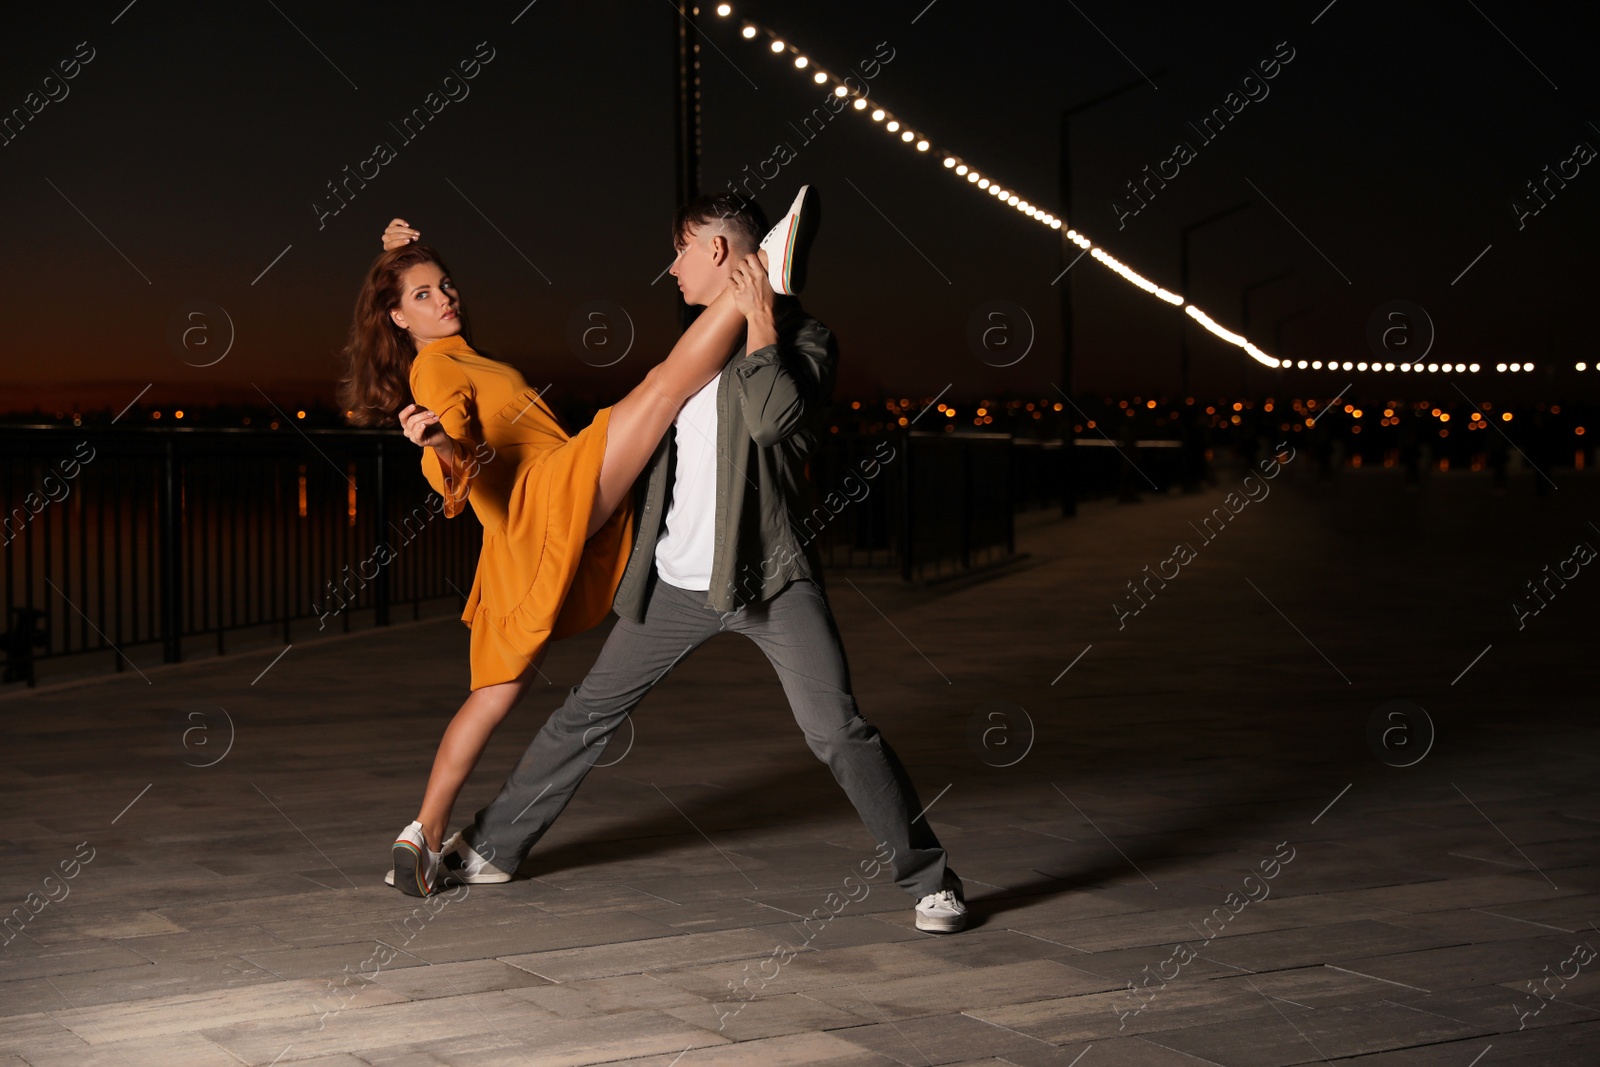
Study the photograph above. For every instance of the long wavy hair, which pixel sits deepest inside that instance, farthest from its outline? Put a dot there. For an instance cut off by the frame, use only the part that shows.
(377, 357)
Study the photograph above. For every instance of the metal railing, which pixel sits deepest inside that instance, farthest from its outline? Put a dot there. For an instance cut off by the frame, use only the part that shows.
(928, 504)
(117, 539)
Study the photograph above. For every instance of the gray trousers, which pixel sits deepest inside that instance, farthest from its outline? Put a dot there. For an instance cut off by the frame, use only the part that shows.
(797, 632)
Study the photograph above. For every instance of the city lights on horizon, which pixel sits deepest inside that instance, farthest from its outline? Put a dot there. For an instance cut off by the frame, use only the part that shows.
(1012, 414)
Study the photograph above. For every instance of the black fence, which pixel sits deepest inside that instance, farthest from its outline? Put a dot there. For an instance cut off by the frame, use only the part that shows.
(930, 504)
(119, 539)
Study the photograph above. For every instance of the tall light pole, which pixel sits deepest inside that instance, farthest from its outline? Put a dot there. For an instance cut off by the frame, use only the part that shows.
(686, 127)
(1244, 299)
(1277, 327)
(1069, 253)
(686, 124)
(1183, 286)
(1244, 313)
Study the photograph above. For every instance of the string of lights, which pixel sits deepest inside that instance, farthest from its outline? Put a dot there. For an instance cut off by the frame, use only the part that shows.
(960, 168)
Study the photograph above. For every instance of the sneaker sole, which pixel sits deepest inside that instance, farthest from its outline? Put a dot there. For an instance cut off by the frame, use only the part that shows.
(407, 872)
(942, 926)
(797, 241)
(449, 877)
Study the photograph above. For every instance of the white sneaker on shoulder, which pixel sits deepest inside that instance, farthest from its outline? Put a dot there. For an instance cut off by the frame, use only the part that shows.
(788, 244)
(943, 912)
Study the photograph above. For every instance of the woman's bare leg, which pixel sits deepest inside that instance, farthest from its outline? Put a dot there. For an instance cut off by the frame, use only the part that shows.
(640, 419)
(463, 742)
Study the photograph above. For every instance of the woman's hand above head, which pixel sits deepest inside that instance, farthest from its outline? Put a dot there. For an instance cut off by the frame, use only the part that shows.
(398, 234)
(422, 428)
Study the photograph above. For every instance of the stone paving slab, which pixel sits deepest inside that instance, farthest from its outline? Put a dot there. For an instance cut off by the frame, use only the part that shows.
(125, 984)
(793, 1050)
(140, 1052)
(1309, 1037)
(607, 996)
(637, 957)
(980, 987)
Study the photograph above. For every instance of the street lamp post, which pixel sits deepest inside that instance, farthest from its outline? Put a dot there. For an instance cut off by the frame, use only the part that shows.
(1277, 327)
(1244, 313)
(1244, 299)
(686, 127)
(1069, 253)
(1183, 285)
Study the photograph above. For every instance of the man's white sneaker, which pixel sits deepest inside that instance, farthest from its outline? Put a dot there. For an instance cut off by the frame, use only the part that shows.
(942, 912)
(415, 865)
(462, 863)
(788, 244)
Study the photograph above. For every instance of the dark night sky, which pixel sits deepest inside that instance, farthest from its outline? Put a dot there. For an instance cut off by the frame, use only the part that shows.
(199, 137)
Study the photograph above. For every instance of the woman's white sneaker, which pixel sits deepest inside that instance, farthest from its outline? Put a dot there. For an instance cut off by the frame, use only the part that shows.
(788, 244)
(943, 912)
(415, 866)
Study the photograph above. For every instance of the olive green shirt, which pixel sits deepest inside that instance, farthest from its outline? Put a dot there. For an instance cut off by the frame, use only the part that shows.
(770, 404)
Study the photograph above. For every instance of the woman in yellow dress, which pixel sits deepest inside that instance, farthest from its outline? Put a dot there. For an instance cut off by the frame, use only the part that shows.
(555, 508)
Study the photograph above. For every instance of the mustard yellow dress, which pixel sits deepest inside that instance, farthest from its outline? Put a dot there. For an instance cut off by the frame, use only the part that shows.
(532, 487)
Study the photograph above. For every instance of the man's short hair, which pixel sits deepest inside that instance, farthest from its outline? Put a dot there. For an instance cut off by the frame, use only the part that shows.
(743, 220)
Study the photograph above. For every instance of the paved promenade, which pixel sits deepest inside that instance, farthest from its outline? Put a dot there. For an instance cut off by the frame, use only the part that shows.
(1220, 830)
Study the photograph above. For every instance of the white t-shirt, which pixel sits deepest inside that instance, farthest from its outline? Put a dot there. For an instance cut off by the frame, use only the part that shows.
(686, 544)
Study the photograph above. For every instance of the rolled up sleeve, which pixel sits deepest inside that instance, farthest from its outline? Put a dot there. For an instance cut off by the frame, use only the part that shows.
(781, 385)
(442, 387)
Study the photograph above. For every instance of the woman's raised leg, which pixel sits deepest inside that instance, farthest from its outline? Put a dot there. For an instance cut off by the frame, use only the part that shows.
(640, 419)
